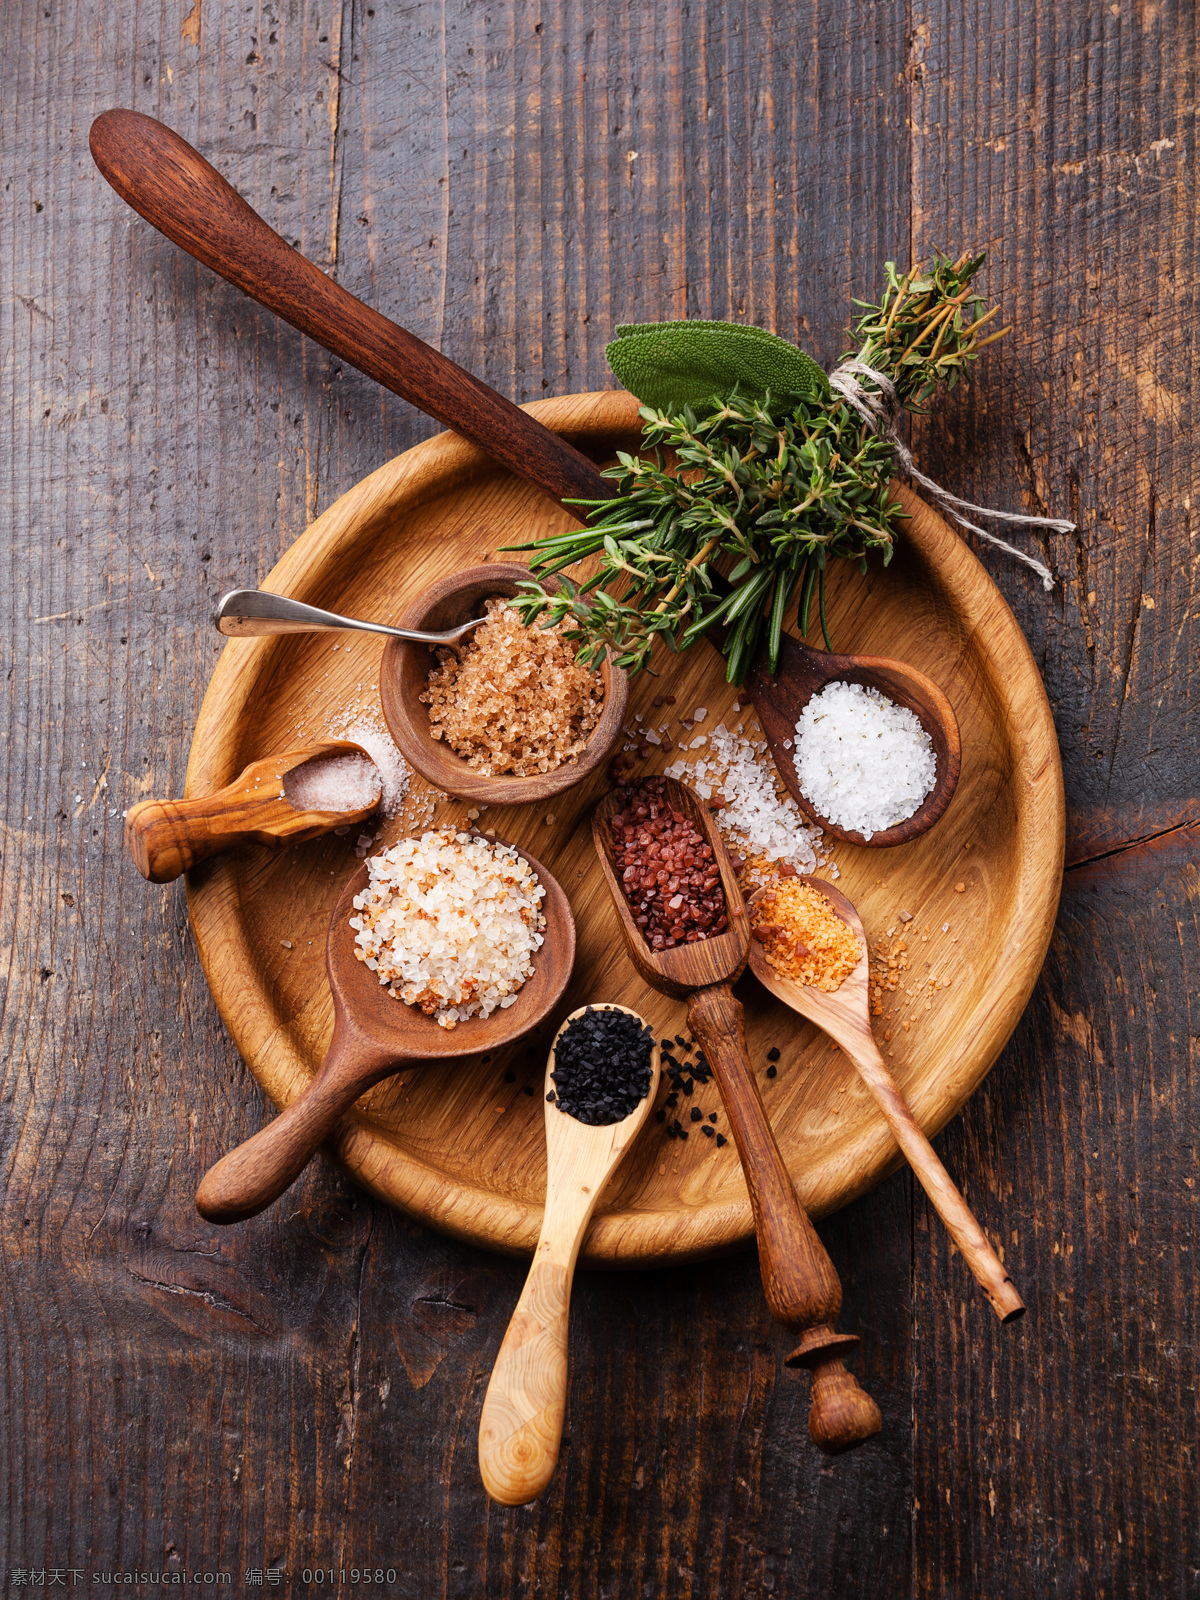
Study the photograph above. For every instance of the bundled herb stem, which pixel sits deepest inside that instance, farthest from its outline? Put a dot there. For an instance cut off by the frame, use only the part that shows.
(734, 510)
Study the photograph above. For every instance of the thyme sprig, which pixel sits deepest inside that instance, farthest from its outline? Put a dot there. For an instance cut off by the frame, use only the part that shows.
(736, 509)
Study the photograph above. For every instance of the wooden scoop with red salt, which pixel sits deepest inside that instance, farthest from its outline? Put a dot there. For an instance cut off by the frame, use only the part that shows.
(283, 799)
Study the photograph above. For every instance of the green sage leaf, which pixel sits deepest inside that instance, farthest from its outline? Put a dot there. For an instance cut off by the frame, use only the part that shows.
(672, 365)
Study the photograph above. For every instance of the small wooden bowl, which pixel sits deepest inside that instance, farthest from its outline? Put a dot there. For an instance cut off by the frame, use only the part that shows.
(404, 673)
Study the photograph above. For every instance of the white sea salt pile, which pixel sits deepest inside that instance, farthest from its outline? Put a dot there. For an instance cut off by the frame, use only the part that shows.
(755, 817)
(450, 923)
(333, 783)
(861, 760)
(359, 727)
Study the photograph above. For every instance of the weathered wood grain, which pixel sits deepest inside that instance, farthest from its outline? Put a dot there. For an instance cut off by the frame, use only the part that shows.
(509, 181)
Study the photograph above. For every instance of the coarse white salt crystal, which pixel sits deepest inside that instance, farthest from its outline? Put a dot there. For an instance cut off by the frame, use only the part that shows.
(652, 737)
(945, 927)
(699, 714)
(863, 761)
(333, 783)
(450, 922)
(787, 744)
(700, 739)
(286, 943)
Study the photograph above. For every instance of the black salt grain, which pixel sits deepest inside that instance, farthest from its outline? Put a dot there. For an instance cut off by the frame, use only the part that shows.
(602, 1066)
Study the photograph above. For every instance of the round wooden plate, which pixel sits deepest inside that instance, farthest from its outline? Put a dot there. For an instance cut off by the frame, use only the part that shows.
(457, 1144)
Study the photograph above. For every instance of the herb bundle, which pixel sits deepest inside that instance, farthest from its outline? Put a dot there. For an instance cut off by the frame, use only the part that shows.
(753, 479)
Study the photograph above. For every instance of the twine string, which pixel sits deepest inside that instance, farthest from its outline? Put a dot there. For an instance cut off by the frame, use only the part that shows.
(878, 408)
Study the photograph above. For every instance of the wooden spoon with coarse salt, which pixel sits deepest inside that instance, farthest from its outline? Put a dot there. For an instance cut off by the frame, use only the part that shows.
(844, 1014)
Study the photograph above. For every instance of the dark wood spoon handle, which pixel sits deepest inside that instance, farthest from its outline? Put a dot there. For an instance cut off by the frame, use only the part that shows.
(798, 1277)
(172, 186)
(248, 1179)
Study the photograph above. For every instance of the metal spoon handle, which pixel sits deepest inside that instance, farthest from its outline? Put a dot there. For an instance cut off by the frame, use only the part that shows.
(253, 613)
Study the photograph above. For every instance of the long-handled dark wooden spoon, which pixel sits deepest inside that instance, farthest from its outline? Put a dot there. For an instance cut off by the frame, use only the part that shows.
(372, 1035)
(520, 1427)
(172, 186)
(799, 1280)
(845, 1015)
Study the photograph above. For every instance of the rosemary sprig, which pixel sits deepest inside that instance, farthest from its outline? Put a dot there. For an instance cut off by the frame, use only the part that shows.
(737, 508)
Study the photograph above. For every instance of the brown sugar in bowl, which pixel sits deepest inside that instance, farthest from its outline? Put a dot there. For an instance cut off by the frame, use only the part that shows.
(404, 675)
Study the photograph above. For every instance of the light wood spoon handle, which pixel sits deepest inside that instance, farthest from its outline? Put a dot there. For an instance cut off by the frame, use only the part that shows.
(167, 837)
(801, 1286)
(937, 1183)
(520, 1428)
(172, 186)
(248, 1179)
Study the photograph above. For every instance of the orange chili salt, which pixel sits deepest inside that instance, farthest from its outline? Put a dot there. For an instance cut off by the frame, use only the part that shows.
(803, 936)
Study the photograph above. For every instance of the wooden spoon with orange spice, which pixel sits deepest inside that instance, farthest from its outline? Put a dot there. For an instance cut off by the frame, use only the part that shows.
(827, 982)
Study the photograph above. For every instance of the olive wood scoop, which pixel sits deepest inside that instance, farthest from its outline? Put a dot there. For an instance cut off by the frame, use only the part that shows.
(372, 1035)
(168, 837)
(844, 1014)
(170, 184)
(521, 1425)
(799, 1280)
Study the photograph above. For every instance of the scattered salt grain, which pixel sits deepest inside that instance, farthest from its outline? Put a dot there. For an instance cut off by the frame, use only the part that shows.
(699, 714)
(334, 783)
(450, 923)
(863, 761)
(756, 819)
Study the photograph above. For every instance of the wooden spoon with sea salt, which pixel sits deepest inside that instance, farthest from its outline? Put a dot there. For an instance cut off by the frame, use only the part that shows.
(282, 799)
(844, 1014)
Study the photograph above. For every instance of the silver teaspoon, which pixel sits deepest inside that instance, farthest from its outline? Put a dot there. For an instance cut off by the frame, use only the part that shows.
(252, 613)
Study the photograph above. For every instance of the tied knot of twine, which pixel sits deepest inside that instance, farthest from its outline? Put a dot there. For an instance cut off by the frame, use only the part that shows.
(879, 408)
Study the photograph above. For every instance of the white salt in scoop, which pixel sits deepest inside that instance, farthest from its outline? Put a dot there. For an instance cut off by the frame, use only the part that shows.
(333, 783)
(863, 761)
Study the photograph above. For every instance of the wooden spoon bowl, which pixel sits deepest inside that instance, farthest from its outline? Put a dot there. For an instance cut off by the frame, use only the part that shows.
(845, 1015)
(804, 672)
(404, 674)
(799, 1280)
(372, 1034)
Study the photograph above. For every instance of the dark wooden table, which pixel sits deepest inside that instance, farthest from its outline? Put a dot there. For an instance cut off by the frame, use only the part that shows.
(510, 181)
